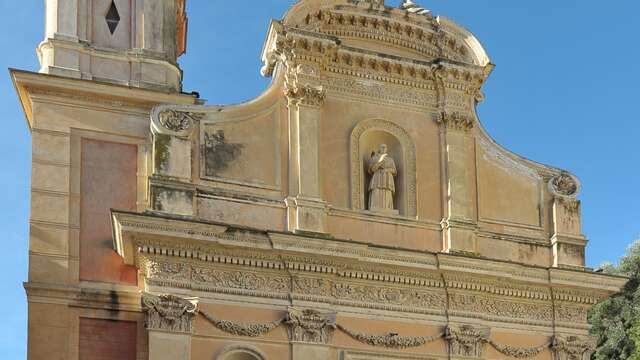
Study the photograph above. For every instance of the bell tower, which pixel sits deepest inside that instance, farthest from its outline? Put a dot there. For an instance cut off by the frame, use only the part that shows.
(129, 42)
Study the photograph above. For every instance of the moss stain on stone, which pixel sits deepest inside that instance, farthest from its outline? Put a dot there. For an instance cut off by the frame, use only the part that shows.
(161, 151)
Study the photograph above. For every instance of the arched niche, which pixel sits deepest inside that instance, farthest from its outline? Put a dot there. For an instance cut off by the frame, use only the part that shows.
(365, 139)
(240, 352)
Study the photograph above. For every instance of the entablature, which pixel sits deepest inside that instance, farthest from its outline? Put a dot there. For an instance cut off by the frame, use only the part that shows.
(201, 256)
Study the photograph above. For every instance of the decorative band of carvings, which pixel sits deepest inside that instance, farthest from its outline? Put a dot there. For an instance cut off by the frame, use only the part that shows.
(314, 326)
(335, 270)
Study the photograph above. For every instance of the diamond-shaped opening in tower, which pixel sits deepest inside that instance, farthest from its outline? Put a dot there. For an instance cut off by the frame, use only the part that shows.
(113, 17)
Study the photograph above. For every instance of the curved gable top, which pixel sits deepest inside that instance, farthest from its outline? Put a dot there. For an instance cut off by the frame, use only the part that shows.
(371, 25)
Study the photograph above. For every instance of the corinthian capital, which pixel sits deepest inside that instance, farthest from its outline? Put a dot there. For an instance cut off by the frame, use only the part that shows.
(169, 313)
(466, 340)
(455, 121)
(305, 95)
(310, 325)
(572, 348)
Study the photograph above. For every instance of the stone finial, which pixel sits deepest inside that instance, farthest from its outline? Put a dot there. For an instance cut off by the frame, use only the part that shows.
(169, 313)
(572, 348)
(465, 340)
(310, 325)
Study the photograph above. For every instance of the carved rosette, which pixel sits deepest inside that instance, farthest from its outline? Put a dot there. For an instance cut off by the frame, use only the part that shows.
(572, 348)
(178, 121)
(564, 185)
(169, 313)
(455, 121)
(310, 325)
(466, 340)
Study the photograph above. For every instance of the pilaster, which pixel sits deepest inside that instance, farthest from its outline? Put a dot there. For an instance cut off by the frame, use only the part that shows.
(567, 241)
(460, 222)
(310, 333)
(172, 135)
(306, 209)
(170, 324)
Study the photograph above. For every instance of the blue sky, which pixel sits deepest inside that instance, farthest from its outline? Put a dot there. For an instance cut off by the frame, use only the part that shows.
(565, 93)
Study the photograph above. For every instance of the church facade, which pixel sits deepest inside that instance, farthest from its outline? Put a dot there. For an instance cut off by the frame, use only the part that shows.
(356, 210)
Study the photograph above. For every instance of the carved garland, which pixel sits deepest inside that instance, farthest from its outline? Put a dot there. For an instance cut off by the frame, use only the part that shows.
(357, 175)
(313, 326)
(238, 329)
(391, 340)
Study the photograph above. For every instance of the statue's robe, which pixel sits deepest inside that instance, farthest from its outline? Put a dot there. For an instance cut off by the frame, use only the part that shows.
(382, 188)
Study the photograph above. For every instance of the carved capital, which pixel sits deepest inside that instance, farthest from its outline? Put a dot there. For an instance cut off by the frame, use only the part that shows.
(455, 121)
(169, 313)
(572, 348)
(310, 325)
(305, 95)
(466, 340)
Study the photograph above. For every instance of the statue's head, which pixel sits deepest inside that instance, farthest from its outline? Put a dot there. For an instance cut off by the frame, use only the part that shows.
(382, 149)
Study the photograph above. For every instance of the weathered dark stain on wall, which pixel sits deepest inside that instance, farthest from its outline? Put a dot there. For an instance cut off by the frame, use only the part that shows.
(218, 153)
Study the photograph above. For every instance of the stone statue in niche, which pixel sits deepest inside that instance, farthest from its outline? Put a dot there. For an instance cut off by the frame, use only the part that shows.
(382, 188)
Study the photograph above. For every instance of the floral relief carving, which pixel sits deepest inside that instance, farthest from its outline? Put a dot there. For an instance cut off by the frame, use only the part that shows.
(168, 270)
(240, 280)
(169, 313)
(500, 308)
(572, 348)
(178, 121)
(571, 313)
(306, 325)
(311, 286)
(466, 340)
(240, 329)
(386, 295)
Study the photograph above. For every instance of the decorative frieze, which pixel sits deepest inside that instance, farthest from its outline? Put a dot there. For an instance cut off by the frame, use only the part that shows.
(483, 305)
(466, 340)
(306, 325)
(169, 313)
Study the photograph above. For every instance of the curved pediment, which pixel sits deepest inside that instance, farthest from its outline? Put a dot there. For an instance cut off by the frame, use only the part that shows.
(370, 25)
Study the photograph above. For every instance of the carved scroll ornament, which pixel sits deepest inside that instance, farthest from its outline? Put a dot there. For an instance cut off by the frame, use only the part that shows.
(564, 185)
(169, 313)
(178, 121)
